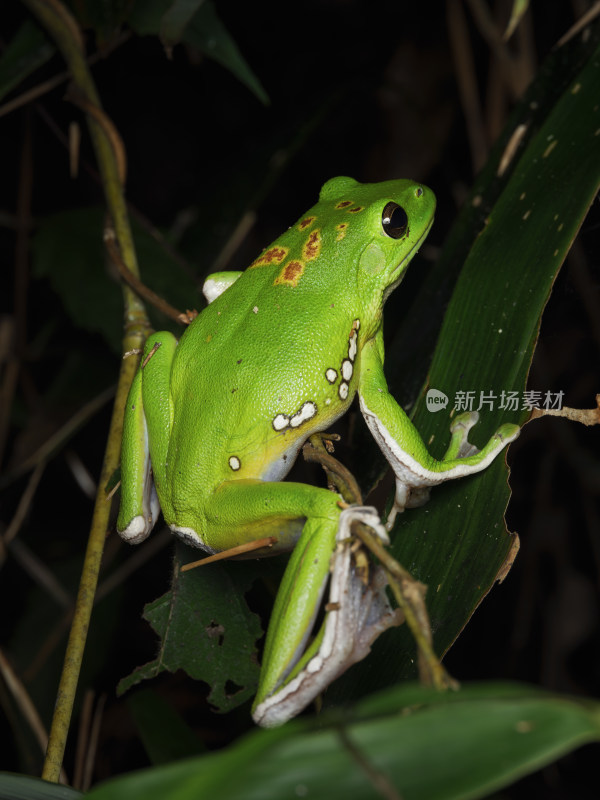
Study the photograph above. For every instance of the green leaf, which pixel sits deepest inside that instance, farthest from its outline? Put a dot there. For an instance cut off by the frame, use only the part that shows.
(203, 31)
(207, 630)
(427, 746)
(457, 544)
(27, 51)
(208, 34)
(104, 18)
(69, 250)
(165, 735)
(176, 20)
(24, 787)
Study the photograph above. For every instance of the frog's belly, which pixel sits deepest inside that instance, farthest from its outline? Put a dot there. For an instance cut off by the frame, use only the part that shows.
(276, 455)
(279, 468)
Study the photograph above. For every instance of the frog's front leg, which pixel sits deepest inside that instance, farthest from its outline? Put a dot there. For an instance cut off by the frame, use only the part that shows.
(293, 672)
(415, 469)
(148, 417)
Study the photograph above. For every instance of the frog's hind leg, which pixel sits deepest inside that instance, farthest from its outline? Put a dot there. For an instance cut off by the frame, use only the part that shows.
(357, 612)
(293, 670)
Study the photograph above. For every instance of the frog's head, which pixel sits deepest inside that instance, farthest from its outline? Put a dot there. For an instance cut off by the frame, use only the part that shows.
(383, 227)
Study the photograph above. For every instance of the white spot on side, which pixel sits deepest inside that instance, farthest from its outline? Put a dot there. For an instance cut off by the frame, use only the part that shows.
(352, 346)
(234, 463)
(307, 412)
(347, 370)
(526, 214)
(343, 391)
(331, 375)
(255, 309)
(280, 422)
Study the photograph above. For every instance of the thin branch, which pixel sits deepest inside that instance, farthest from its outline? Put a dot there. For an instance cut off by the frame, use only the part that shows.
(140, 288)
(63, 28)
(379, 780)
(232, 552)
(25, 704)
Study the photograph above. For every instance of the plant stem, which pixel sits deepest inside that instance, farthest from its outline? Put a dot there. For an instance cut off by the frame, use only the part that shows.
(110, 156)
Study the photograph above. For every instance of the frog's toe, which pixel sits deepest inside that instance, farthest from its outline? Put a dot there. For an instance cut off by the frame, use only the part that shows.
(465, 421)
(137, 531)
(367, 515)
(140, 526)
(460, 446)
(508, 432)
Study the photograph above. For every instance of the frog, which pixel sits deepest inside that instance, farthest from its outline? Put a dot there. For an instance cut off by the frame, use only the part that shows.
(213, 423)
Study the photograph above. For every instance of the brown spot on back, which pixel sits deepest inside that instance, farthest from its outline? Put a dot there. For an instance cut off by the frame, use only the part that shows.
(312, 246)
(306, 223)
(341, 228)
(290, 274)
(274, 255)
(343, 204)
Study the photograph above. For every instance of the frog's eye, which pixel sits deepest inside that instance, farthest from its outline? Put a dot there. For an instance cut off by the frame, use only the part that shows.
(394, 221)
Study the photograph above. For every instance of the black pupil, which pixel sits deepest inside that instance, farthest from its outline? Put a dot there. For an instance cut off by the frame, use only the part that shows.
(394, 220)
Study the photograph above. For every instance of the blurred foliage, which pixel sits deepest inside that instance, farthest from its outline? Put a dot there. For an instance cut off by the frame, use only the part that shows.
(218, 166)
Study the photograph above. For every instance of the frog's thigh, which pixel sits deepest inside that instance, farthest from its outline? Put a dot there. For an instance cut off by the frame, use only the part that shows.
(242, 511)
(282, 509)
(248, 510)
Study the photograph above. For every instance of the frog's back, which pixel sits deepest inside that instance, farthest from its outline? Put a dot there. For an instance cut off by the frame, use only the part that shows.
(276, 355)
(290, 314)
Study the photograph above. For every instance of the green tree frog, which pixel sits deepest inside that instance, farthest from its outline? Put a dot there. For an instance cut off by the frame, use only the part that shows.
(214, 422)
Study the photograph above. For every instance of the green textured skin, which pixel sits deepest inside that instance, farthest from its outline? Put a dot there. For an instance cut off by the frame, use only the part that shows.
(262, 349)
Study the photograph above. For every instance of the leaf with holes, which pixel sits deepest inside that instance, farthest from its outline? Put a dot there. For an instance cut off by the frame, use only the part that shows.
(206, 628)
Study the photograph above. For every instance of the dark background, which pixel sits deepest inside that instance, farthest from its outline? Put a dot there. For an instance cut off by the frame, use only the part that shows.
(358, 88)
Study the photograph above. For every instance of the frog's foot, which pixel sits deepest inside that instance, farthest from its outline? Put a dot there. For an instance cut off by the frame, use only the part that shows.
(367, 515)
(414, 480)
(460, 446)
(141, 525)
(356, 614)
